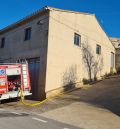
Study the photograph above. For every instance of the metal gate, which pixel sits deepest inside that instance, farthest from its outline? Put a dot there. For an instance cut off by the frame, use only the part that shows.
(34, 66)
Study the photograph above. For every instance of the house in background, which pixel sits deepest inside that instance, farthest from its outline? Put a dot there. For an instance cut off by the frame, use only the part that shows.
(52, 40)
(116, 43)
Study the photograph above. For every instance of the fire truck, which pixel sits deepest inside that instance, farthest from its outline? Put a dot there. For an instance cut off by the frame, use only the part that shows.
(14, 77)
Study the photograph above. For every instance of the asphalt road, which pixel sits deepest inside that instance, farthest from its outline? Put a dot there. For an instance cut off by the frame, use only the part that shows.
(11, 119)
(95, 106)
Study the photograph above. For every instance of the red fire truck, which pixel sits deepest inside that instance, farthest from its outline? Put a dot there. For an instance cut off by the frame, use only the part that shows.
(13, 78)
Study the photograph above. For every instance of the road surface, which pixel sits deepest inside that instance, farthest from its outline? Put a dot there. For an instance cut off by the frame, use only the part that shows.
(96, 106)
(11, 119)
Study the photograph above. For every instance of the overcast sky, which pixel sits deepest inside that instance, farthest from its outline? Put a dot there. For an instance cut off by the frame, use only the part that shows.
(107, 11)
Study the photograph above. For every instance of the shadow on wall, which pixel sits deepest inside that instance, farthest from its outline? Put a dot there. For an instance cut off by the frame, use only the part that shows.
(93, 63)
(69, 78)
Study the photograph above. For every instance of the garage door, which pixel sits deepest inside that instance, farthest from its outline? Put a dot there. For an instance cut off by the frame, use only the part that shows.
(34, 65)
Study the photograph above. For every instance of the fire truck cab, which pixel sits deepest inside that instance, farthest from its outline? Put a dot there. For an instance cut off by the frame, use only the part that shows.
(13, 78)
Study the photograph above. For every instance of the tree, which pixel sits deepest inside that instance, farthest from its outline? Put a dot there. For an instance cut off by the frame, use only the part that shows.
(88, 59)
(98, 65)
(93, 65)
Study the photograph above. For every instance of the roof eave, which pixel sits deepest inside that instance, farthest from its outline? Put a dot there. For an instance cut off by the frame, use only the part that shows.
(25, 20)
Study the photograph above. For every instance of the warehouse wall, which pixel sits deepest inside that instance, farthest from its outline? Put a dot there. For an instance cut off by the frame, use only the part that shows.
(65, 59)
(118, 59)
(52, 41)
(17, 48)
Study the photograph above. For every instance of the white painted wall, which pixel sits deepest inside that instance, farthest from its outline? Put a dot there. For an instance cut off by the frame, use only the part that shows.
(63, 54)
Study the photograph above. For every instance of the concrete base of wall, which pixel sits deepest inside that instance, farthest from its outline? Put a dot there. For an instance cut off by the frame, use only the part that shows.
(64, 89)
(70, 87)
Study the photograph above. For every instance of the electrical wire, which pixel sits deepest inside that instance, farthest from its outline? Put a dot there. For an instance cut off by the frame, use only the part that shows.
(72, 28)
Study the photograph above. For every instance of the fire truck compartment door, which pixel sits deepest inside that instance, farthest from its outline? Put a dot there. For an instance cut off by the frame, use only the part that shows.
(13, 71)
(3, 81)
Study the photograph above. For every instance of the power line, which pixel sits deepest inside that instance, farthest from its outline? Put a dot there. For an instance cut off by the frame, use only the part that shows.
(77, 30)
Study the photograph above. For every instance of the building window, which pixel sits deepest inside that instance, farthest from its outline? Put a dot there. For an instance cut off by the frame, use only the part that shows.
(28, 34)
(77, 39)
(98, 49)
(2, 43)
(112, 59)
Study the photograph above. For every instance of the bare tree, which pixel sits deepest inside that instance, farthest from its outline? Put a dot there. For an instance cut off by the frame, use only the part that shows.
(93, 65)
(98, 65)
(88, 59)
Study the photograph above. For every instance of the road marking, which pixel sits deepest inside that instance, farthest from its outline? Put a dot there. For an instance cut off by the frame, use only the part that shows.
(41, 120)
(16, 113)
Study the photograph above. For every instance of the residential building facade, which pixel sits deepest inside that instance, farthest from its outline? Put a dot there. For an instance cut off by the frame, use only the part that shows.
(52, 40)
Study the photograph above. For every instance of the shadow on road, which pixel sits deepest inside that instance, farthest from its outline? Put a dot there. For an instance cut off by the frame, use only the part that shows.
(3, 114)
(104, 94)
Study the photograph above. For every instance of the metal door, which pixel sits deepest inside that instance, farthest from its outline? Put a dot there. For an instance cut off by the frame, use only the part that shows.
(34, 65)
